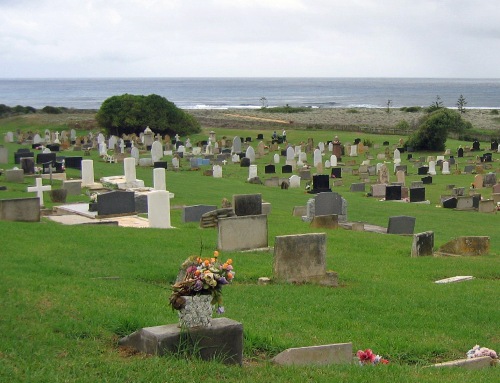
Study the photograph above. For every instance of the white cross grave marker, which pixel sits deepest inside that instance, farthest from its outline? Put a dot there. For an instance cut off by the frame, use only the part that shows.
(39, 189)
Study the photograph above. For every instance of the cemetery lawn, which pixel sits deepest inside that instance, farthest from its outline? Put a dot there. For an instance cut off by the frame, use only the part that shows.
(69, 293)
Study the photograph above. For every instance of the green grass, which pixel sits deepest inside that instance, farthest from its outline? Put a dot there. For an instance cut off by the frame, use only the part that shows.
(68, 293)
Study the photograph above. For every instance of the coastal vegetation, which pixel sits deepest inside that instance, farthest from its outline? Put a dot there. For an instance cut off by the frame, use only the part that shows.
(286, 109)
(127, 113)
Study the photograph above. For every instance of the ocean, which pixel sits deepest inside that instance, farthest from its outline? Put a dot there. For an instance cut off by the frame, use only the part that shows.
(227, 93)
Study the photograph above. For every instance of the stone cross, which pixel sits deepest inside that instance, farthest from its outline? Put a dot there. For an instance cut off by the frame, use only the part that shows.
(39, 189)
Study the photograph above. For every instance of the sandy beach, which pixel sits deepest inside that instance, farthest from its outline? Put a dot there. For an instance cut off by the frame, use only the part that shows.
(360, 117)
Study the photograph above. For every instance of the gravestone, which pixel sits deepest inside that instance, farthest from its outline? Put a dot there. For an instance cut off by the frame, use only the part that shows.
(400, 176)
(358, 187)
(294, 181)
(478, 181)
(476, 146)
(247, 204)
(87, 173)
(39, 189)
(417, 194)
(469, 169)
(393, 193)
(245, 162)
(156, 151)
(242, 233)
(4, 155)
(450, 203)
(302, 258)
(43, 158)
(236, 145)
(487, 206)
(467, 246)
(432, 168)
(327, 203)
(378, 190)
(14, 175)
(217, 171)
(416, 184)
(58, 195)
(401, 225)
(465, 203)
(270, 169)
(383, 175)
(336, 173)
(460, 152)
(73, 187)
(423, 244)
(489, 179)
(427, 180)
(116, 203)
(159, 209)
(317, 159)
(73, 162)
(250, 154)
(321, 183)
(305, 174)
(325, 221)
(252, 172)
(422, 170)
(286, 169)
(20, 209)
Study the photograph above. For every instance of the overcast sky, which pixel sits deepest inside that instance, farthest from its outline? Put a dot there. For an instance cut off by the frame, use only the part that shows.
(249, 38)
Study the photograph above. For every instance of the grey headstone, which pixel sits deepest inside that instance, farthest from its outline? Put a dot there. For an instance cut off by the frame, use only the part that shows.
(358, 187)
(465, 203)
(4, 155)
(328, 203)
(247, 204)
(242, 233)
(315, 355)
(423, 244)
(20, 209)
(14, 175)
(116, 203)
(74, 187)
(401, 225)
(194, 213)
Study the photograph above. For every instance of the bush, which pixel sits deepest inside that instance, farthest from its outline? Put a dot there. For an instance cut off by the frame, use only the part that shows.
(352, 111)
(403, 125)
(286, 109)
(132, 113)
(434, 129)
(51, 110)
(494, 111)
(411, 109)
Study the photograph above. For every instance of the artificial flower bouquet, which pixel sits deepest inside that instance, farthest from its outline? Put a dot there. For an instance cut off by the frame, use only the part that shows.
(367, 357)
(203, 276)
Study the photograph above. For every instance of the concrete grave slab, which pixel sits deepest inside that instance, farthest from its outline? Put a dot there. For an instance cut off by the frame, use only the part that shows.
(340, 353)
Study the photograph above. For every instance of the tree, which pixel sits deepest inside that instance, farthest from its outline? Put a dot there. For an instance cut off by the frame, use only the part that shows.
(389, 103)
(436, 105)
(461, 104)
(132, 113)
(434, 129)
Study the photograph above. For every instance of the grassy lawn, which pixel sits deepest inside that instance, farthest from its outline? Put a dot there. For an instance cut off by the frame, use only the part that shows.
(68, 293)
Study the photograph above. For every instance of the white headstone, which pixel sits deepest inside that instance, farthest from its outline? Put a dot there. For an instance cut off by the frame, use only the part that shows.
(156, 151)
(333, 160)
(252, 171)
(181, 149)
(196, 150)
(317, 157)
(297, 149)
(188, 144)
(103, 149)
(112, 142)
(9, 137)
(439, 158)
(330, 147)
(56, 141)
(87, 173)
(250, 154)
(354, 151)
(175, 162)
(397, 155)
(276, 158)
(37, 139)
(159, 182)
(327, 164)
(321, 146)
(446, 167)
(46, 150)
(159, 209)
(122, 146)
(303, 156)
(47, 136)
(294, 181)
(72, 135)
(400, 176)
(39, 189)
(235, 158)
(378, 167)
(236, 145)
(129, 168)
(432, 168)
(134, 152)
(290, 153)
(217, 171)
(100, 138)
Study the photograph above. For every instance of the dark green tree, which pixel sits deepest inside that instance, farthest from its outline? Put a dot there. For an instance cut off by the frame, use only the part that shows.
(434, 129)
(461, 103)
(130, 113)
(436, 105)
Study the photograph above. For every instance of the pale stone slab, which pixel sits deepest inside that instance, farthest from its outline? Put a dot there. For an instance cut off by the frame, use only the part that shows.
(470, 364)
(340, 353)
(458, 278)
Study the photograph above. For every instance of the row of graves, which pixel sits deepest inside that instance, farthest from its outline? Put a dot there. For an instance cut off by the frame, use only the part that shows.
(242, 225)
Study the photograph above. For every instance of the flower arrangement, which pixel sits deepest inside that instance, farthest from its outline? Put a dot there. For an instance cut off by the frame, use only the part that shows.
(478, 351)
(204, 276)
(367, 357)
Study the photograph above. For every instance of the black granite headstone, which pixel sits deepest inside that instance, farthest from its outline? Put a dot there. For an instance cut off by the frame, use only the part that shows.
(494, 145)
(475, 201)
(160, 164)
(460, 152)
(476, 145)
(247, 204)
(270, 169)
(245, 162)
(427, 180)
(43, 158)
(286, 169)
(321, 183)
(116, 203)
(260, 136)
(450, 203)
(393, 193)
(22, 153)
(28, 165)
(336, 173)
(423, 170)
(73, 162)
(417, 194)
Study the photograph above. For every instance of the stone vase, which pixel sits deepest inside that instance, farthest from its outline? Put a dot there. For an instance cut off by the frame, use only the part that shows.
(197, 311)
